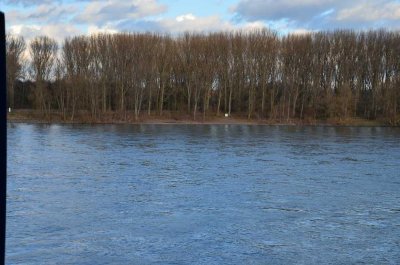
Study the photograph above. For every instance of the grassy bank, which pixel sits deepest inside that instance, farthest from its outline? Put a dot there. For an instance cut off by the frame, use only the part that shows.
(32, 116)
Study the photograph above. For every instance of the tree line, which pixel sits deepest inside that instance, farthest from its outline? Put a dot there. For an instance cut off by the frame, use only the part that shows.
(258, 74)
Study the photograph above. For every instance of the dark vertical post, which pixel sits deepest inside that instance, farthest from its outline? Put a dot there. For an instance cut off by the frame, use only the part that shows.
(3, 139)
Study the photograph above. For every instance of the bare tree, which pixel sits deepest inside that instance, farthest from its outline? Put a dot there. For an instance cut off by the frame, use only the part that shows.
(43, 53)
(325, 75)
(163, 63)
(60, 88)
(15, 47)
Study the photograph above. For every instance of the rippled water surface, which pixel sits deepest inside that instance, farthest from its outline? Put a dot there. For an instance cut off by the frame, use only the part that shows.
(202, 194)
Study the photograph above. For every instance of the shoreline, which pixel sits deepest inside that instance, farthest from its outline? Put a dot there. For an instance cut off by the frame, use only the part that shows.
(23, 116)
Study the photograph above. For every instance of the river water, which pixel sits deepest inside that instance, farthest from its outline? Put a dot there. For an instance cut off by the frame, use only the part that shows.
(202, 194)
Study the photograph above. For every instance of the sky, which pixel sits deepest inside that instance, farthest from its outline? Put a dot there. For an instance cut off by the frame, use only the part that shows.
(63, 18)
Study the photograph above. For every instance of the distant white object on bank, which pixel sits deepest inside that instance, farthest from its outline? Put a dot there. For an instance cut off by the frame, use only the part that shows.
(226, 115)
(9, 109)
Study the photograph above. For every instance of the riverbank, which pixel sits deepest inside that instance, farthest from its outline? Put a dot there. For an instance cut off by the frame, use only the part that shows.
(29, 116)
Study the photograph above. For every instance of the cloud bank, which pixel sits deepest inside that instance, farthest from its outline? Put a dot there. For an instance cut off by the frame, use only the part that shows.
(63, 18)
(323, 14)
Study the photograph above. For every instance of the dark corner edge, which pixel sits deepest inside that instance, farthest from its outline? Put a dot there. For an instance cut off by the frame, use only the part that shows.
(3, 139)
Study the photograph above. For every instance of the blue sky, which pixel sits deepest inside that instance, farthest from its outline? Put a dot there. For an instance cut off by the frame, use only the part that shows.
(63, 18)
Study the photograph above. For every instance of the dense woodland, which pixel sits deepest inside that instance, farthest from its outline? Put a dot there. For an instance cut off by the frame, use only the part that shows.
(258, 74)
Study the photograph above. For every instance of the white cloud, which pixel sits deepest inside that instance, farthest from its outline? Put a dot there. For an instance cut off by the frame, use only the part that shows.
(185, 17)
(276, 10)
(41, 14)
(371, 11)
(25, 30)
(60, 31)
(322, 14)
(101, 12)
(30, 2)
(187, 22)
(56, 31)
(301, 31)
(93, 29)
(252, 25)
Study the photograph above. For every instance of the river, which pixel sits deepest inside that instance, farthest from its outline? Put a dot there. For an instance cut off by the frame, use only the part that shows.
(202, 194)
